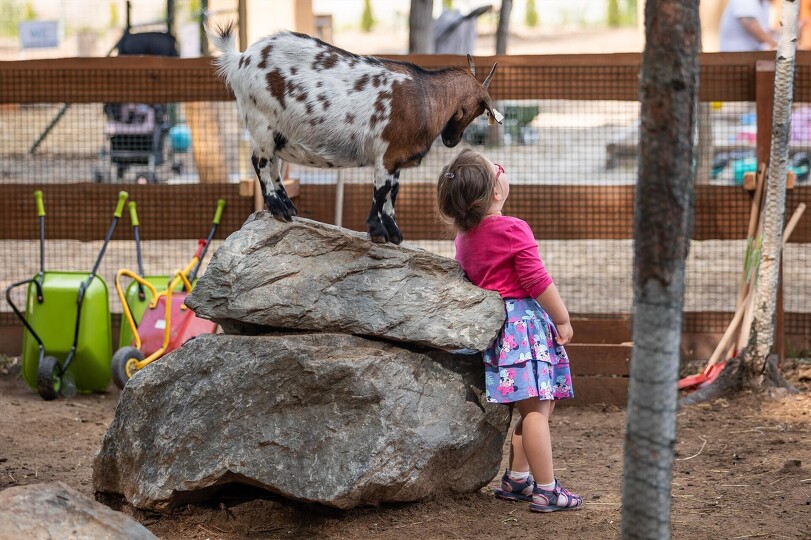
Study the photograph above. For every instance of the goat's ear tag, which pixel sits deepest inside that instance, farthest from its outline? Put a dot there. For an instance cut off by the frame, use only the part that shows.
(495, 117)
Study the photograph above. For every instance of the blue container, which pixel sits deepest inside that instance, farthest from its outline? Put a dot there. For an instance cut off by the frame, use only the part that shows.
(180, 137)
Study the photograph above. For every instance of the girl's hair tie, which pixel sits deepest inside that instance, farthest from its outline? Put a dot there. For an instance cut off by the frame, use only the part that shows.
(449, 175)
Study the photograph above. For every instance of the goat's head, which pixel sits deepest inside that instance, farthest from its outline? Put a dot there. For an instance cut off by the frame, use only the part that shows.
(472, 105)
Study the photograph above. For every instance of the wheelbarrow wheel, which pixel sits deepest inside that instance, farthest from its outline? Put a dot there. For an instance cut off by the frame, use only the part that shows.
(48, 382)
(123, 365)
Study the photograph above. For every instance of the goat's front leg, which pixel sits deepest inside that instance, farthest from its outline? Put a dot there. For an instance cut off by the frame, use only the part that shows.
(262, 166)
(380, 222)
(275, 166)
(387, 215)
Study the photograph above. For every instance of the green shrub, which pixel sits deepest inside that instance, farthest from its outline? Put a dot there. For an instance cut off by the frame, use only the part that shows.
(113, 15)
(531, 16)
(30, 12)
(367, 20)
(9, 17)
(613, 14)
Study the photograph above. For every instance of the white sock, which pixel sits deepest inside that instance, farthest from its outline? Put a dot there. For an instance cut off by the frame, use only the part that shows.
(546, 487)
(515, 475)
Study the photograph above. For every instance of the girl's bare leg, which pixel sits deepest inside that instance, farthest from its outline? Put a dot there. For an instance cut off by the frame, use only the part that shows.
(536, 439)
(518, 459)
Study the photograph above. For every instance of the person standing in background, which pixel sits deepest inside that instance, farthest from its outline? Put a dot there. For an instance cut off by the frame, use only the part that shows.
(745, 27)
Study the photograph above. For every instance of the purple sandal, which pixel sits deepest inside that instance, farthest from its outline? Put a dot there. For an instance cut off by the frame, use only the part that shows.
(515, 490)
(553, 500)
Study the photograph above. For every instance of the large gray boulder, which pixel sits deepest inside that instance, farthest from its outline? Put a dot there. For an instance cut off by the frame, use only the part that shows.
(310, 276)
(54, 510)
(334, 419)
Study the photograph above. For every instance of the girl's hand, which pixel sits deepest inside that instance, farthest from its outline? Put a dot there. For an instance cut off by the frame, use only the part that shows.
(565, 333)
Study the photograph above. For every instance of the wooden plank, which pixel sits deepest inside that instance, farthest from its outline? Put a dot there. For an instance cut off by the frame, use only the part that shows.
(597, 331)
(150, 79)
(553, 211)
(592, 359)
(83, 211)
(595, 390)
(695, 346)
(145, 79)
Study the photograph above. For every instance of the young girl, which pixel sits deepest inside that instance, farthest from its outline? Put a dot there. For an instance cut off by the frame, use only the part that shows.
(526, 366)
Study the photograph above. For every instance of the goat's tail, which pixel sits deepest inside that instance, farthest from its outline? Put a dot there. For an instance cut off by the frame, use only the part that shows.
(224, 39)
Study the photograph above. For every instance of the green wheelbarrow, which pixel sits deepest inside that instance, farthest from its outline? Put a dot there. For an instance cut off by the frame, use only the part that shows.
(68, 339)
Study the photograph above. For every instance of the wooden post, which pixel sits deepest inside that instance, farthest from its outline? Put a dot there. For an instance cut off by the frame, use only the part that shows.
(242, 14)
(764, 94)
(206, 147)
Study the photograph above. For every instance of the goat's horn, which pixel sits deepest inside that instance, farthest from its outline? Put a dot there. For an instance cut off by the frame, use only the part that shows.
(470, 65)
(486, 82)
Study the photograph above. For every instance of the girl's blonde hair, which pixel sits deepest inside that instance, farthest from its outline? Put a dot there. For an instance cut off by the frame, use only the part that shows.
(464, 190)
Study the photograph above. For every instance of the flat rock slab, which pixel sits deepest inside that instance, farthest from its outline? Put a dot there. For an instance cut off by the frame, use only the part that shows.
(311, 276)
(54, 510)
(326, 418)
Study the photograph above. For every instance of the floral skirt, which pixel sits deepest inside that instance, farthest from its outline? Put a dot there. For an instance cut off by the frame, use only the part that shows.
(525, 360)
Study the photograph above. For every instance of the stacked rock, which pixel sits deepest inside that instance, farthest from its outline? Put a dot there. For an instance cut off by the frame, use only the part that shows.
(338, 378)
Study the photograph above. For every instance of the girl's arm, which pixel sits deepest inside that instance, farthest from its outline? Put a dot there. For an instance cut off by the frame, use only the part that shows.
(552, 303)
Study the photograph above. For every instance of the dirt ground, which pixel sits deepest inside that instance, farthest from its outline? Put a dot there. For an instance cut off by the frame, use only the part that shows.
(743, 466)
(743, 470)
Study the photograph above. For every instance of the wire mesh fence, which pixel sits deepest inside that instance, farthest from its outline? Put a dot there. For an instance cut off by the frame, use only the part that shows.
(167, 131)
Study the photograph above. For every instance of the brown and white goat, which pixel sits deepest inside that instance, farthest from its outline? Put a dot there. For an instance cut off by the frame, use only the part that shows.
(307, 102)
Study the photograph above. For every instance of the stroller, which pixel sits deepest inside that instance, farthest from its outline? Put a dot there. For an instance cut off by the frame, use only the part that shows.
(135, 133)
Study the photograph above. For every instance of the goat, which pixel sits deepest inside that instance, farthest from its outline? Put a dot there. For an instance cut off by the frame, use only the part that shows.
(307, 102)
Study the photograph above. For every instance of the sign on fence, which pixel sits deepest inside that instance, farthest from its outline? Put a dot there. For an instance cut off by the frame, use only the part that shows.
(39, 34)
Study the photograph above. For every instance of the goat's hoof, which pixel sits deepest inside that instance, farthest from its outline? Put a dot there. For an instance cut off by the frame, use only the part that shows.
(378, 234)
(278, 209)
(287, 203)
(392, 230)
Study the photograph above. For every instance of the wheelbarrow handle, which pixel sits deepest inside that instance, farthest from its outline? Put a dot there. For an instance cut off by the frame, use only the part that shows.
(119, 208)
(218, 213)
(40, 204)
(133, 214)
(41, 219)
(135, 227)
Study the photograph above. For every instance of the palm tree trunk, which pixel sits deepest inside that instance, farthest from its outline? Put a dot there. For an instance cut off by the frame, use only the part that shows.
(503, 30)
(662, 226)
(420, 27)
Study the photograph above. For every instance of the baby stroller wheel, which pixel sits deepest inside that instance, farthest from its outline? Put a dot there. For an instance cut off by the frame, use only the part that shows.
(123, 365)
(48, 382)
(146, 177)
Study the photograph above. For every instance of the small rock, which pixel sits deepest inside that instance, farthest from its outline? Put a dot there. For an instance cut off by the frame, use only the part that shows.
(792, 464)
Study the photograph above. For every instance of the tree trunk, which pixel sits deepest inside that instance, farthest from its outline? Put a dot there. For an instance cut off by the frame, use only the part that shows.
(420, 27)
(662, 226)
(503, 30)
(754, 368)
(761, 339)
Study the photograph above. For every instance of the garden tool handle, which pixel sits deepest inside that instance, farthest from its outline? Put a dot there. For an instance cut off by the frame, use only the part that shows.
(201, 247)
(41, 219)
(133, 214)
(40, 204)
(119, 208)
(218, 213)
(135, 226)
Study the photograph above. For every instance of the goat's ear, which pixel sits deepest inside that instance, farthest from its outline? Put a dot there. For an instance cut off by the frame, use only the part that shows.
(470, 65)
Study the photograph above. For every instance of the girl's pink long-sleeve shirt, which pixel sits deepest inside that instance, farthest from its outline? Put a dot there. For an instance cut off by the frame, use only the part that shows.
(501, 255)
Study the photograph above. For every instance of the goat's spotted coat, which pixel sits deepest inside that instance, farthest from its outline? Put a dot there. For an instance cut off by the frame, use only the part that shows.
(307, 102)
